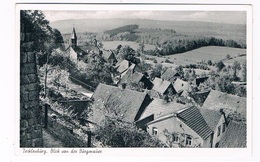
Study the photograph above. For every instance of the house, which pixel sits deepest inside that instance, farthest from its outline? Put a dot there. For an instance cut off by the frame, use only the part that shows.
(233, 104)
(217, 122)
(118, 104)
(156, 109)
(132, 78)
(181, 86)
(198, 81)
(109, 57)
(170, 75)
(76, 52)
(163, 87)
(184, 128)
(123, 66)
(235, 136)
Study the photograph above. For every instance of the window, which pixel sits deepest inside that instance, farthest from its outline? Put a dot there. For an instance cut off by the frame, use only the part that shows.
(175, 138)
(155, 131)
(224, 127)
(219, 130)
(188, 141)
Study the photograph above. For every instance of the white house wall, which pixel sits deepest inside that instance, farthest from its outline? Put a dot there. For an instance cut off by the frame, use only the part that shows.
(172, 124)
(217, 138)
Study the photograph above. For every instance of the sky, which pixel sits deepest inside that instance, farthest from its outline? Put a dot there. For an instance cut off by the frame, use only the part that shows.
(230, 17)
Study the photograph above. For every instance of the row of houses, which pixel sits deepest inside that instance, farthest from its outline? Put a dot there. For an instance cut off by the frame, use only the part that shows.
(215, 121)
(175, 124)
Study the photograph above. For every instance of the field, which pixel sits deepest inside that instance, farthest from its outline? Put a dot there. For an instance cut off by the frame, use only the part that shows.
(212, 53)
(134, 45)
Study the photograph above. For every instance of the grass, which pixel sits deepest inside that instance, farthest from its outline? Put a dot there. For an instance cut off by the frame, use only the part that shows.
(213, 53)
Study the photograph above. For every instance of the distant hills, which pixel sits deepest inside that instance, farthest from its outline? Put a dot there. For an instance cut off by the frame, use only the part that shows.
(226, 31)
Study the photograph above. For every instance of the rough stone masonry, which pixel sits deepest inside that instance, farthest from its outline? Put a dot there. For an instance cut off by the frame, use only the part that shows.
(30, 127)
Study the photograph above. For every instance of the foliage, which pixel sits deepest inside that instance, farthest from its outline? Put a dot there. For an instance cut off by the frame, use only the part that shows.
(236, 66)
(128, 53)
(127, 28)
(244, 72)
(179, 69)
(220, 65)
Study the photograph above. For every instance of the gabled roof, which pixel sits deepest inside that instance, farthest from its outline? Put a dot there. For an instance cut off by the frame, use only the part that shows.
(108, 55)
(211, 117)
(193, 119)
(78, 50)
(160, 85)
(170, 75)
(123, 66)
(131, 77)
(180, 85)
(126, 102)
(235, 136)
(230, 103)
(160, 107)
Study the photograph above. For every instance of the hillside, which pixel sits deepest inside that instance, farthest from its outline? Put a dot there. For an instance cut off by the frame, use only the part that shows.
(224, 31)
(212, 53)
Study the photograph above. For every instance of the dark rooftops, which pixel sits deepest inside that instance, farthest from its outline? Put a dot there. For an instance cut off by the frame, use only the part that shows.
(193, 118)
(128, 103)
(235, 136)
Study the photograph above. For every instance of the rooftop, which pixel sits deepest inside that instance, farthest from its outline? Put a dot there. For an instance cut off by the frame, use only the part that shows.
(160, 107)
(211, 117)
(193, 118)
(180, 85)
(160, 85)
(170, 75)
(217, 100)
(235, 136)
(111, 100)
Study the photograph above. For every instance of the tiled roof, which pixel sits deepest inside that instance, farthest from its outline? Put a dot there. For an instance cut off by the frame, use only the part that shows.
(131, 77)
(160, 85)
(170, 75)
(126, 102)
(235, 136)
(180, 85)
(193, 119)
(230, 103)
(160, 107)
(108, 55)
(123, 66)
(211, 117)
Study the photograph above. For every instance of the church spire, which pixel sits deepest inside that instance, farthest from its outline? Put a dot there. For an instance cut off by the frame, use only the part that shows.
(73, 38)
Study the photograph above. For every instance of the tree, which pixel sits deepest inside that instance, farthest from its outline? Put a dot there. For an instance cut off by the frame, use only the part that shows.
(236, 66)
(244, 73)
(179, 69)
(220, 65)
(209, 62)
(228, 57)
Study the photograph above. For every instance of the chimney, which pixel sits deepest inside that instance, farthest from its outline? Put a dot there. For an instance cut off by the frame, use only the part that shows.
(123, 86)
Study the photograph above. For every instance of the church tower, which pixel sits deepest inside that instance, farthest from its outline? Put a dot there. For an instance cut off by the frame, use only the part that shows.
(73, 38)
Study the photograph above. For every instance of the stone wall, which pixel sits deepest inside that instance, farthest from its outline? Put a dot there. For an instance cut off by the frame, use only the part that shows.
(30, 126)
